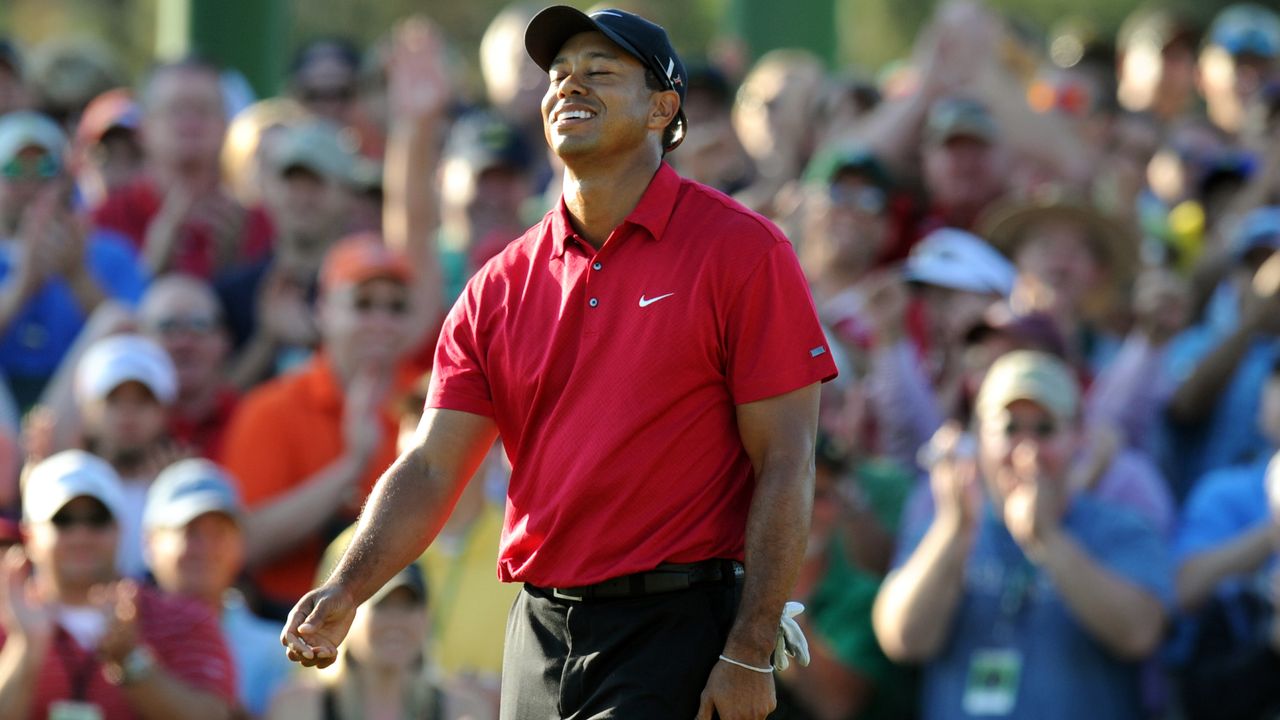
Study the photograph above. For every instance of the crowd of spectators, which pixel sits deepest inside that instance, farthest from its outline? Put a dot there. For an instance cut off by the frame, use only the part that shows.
(1048, 475)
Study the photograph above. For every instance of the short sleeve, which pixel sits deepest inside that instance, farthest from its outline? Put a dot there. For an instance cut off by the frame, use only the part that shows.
(1209, 519)
(774, 342)
(116, 267)
(458, 378)
(1133, 549)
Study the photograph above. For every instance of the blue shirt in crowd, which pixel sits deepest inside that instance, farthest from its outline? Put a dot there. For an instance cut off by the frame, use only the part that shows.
(261, 666)
(45, 328)
(1011, 609)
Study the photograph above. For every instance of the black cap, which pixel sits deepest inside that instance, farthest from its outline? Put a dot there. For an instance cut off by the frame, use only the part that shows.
(486, 141)
(550, 29)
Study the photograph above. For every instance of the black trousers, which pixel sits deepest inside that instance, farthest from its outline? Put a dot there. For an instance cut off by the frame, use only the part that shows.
(643, 658)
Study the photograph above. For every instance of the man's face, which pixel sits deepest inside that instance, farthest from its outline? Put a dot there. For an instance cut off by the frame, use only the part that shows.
(326, 85)
(185, 120)
(367, 322)
(1023, 424)
(963, 172)
(118, 158)
(306, 206)
(188, 327)
(78, 545)
(596, 103)
(851, 223)
(23, 178)
(1057, 253)
(200, 559)
(126, 423)
(390, 634)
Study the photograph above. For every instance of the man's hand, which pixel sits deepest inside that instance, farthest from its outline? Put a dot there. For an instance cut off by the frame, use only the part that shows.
(284, 316)
(361, 418)
(736, 693)
(119, 603)
(953, 477)
(418, 84)
(22, 614)
(1033, 510)
(317, 625)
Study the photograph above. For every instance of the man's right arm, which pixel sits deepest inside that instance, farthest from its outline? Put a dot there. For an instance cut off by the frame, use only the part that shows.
(408, 507)
(913, 612)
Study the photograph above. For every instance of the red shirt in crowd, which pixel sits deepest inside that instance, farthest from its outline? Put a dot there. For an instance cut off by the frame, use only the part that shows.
(613, 377)
(182, 634)
(204, 435)
(130, 210)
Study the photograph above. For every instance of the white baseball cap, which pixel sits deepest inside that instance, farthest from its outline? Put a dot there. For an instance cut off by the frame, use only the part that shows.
(960, 260)
(186, 490)
(61, 478)
(23, 129)
(115, 360)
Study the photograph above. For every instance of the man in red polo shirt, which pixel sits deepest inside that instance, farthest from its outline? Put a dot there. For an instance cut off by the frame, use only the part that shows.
(651, 356)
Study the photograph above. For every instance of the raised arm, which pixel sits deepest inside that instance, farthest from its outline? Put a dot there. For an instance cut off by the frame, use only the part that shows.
(408, 507)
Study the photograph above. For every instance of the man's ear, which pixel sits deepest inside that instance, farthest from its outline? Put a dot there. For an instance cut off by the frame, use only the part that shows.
(663, 109)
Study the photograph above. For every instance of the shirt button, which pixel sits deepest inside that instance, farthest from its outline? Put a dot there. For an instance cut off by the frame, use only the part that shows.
(594, 302)
(596, 266)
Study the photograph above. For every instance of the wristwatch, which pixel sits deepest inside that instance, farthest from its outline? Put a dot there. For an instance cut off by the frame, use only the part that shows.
(136, 666)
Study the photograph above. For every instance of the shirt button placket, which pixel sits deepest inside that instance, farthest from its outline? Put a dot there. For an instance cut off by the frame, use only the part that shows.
(593, 302)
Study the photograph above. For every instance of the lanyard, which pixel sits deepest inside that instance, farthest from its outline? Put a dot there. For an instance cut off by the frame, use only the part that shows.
(78, 673)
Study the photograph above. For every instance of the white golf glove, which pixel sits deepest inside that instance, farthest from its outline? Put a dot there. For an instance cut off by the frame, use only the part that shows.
(791, 640)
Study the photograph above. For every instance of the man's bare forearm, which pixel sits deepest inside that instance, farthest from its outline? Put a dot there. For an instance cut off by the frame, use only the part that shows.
(777, 530)
(916, 604)
(411, 501)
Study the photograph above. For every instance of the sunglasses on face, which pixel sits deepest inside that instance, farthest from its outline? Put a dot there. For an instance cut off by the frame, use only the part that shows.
(869, 200)
(364, 306)
(1041, 429)
(194, 325)
(43, 167)
(99, 519)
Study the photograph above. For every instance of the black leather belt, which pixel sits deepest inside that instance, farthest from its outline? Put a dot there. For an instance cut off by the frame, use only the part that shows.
(662, 579)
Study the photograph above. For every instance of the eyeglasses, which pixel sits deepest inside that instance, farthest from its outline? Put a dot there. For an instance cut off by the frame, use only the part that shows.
(364, 306)
(339, 94)
(194, 325)
(43, 167)
(99, 519)
(869, 200)
(1041, 430)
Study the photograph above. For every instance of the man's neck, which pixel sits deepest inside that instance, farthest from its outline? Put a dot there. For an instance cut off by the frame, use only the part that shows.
(196, 403)
(602, 195)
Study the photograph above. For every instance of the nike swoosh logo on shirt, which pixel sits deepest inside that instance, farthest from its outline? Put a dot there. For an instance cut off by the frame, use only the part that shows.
(649, 301)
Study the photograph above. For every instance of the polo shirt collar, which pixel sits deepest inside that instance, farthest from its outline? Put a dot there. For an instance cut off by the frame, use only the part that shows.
(652, 213)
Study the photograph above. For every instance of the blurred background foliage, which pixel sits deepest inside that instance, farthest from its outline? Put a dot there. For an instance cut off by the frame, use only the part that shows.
(862, 34)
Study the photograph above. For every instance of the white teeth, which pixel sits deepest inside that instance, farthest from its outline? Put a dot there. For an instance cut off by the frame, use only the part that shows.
(576, 115)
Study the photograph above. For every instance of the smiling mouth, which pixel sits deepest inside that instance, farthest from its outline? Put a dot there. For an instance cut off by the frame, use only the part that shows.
(573, 117)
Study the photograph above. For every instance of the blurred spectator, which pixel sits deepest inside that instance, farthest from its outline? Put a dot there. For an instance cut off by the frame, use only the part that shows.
(252, 137)
(53, 270)
(773, 117)
(307, 447)
(181, 313)
(11, 452)
(306, 196)
(78, 641)
(1071, 263)
(65, 73)
(13, 89)
(323, 78)
(1156, 62)
(1216, 369)
(514, 84)
(486, 174)
(1030, 602)
(468, 619)
(178, 214)
(856, 504)
(382, 669)
(1226, 585)
(966, 167)
(107, 149)
(194, 527)
(712, 154)
(1238, 60)
(124, 386)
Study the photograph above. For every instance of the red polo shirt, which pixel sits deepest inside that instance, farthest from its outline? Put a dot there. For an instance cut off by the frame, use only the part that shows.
(613, 377)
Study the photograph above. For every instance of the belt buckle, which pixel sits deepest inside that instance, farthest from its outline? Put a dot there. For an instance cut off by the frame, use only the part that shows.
(560, 594)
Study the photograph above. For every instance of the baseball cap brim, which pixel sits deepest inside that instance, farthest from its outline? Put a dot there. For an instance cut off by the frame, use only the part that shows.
(550, 29)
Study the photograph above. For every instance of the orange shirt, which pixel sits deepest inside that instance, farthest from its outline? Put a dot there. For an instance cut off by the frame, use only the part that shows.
(283, 433)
